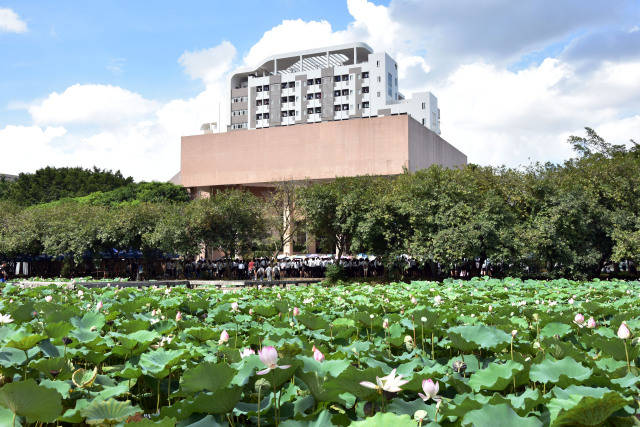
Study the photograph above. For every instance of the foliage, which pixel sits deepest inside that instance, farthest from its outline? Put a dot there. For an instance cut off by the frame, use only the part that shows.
(65, 360)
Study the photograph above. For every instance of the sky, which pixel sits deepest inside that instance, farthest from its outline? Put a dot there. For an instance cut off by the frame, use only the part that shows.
(114, 84)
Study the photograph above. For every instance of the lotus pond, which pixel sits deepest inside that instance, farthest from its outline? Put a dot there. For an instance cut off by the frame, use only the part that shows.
(482, 352)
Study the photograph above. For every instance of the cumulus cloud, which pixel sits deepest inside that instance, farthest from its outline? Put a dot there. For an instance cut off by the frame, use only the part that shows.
(10, 22)
(92, 104)
(460, 51)
(209, 64)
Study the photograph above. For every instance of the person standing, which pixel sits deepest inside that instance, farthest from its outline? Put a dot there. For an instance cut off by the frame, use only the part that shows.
(268, 272)
(3, 272)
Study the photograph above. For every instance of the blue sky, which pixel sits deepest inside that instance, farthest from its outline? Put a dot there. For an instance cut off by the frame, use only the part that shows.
(131, 43)
(116, 83)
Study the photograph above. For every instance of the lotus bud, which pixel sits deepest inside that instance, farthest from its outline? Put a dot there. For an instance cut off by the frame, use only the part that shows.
(571, 301)
(80, 293)
(420, 415)
(234, 306)
(224, 337)
(591, 323)
(514, 333)
(178, 316)
(623, 331)
(296, 311)
(385, 323)
(578, 319)
(371, 316)
(99, 306)
(48, 298)
(262, 383)
(414, 301)
(251, 311)
(490, 309)
(318, 356)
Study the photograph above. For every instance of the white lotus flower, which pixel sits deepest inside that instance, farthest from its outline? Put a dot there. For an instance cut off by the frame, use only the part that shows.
(390, 383)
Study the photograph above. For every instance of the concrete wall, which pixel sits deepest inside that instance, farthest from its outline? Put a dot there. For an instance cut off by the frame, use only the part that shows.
(370, 146)
(427, 148)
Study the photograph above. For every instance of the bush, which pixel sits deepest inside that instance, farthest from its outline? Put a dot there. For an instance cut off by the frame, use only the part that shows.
(335, 273)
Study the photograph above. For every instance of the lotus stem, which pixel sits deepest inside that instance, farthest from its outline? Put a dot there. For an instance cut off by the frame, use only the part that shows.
(432, 353)
(158, 399)
(169, 389)
(626, 353)
(422, 335)
(259, 390)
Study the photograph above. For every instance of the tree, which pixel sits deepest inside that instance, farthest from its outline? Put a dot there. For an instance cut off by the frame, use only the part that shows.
(282, 214)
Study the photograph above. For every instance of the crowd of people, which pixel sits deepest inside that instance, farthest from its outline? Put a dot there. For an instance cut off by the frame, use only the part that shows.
(282, 267)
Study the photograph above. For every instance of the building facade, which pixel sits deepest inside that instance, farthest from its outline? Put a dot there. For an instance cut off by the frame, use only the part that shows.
(319, 85)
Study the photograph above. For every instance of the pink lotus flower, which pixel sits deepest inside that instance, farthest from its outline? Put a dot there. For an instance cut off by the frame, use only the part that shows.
(430, 389)
(623, 331)
(385, 323)
(414, 301)
(296, 311)
(571, 301)
(578, 319)
(317, 354)
(246, 352)
(99, 306)
(269, 356)
(437, 299)
(514, 333)
(390, 383)
(591, 323)
(178, 316)
(251, 311)
(48, 298)
(234, 306)
(224, 337)
(80, 293)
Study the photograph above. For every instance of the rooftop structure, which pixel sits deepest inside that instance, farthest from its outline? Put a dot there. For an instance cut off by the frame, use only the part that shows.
(318, 85)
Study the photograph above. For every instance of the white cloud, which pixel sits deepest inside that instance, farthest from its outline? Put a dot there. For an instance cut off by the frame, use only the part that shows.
(92, 104)
(10, 22)
(209, 64)
(494, 114)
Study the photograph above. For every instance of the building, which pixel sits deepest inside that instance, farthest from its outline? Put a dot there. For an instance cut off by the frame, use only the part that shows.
(7, 177)
(318, 85)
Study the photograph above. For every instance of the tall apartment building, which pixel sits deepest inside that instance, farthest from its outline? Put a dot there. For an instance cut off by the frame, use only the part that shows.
(333, 83)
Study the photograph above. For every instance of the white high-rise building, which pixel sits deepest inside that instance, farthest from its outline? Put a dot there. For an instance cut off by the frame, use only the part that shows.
(333, 83)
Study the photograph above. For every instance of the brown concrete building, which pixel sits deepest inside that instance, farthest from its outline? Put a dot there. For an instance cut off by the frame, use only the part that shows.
(257, 158)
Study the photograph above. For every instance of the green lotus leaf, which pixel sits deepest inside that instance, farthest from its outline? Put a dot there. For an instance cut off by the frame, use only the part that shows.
(560, 372)
(61, 387)
(158, 362)
(202, 334)
(584, 406)
(8, 419)
(109, 412)
(56, 367)
(468, 338)
(23, 340)
(164, 422)
(90, 320)
(323, 369)
(501, 415)
(220, 402)
(496, 376)
(386, 419)
(349, 381)
(21, 398)
(57, 329)
(324, 419)
(11, 357)
(313, 321)
(207, 376)
(555, 329)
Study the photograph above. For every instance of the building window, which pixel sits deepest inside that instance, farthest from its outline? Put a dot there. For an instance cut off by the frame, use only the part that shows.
(424, 105)
(318, 81)
(336, 78)
(345, 77)
(423, 122)
(336, 93)
(283, 99)
(309, 110)
(378, 94)
(345, 107)
(292, 84)
(283, 85)
(309, 96)
(379, 79)
(318, 110)
(285, 114)
(258, 88)
(265, 88)
(378, 64)
(292, 113)
(365, 89)
(259, 102)
(396, 79)
(292, 98)
(265, 102)
(337, 108)
(318, 95)
(258, 116)
(345, 92)
(309, 82)
(365, 75)
(365, 104)
(265, 116)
